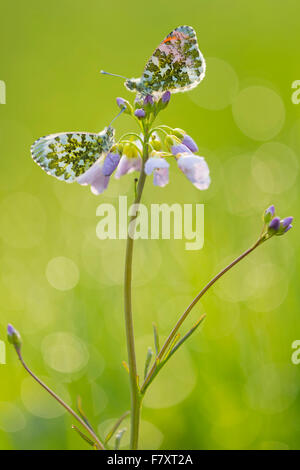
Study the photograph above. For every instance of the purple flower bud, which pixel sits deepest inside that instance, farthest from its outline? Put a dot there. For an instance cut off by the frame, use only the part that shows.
(148, 100)
(274, 225)
(288, 228)
(189, 143)
(269, 214)
(10, 330)
(14, 337)
(110, 163)
(121, 102)
(287, 221)
(180, 149)
(166, 97)
(270, 210)
(139, 113)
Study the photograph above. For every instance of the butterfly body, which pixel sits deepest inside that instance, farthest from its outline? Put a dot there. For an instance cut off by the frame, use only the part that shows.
(69, 155)
(177, 65)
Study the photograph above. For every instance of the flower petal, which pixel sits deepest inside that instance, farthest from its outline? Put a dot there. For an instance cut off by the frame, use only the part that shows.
(161, 177)
(180, 148)
(128, 165)
(195, 169)
(95, 178)
(155, 162)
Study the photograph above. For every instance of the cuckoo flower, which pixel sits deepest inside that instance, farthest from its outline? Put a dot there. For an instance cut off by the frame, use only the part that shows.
(160, 169)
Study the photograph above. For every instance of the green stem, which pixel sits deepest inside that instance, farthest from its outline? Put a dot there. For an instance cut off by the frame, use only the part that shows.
(134, 389)
(164, 348)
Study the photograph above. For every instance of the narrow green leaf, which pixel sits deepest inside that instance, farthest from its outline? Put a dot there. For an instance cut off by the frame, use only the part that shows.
(119, 437)
(185, 337)
(175, 339)
(156, 338)
(115, 427)
(148, 361)
(82, 414)
(84, 437)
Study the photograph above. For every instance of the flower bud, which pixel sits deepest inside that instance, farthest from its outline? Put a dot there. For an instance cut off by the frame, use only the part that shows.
(139, 113)
(130, 151)
(180, 149)
(190, 143)
(269, 214)
(170, 141)
(110, 163)
(156, 144)
(124, 104)
(285, 225)
(178, 133)
(274, 226)
(166, 97)
(14, 337)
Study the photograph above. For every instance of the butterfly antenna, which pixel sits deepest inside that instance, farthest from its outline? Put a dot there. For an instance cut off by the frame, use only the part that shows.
(112, 74)
(119, 114)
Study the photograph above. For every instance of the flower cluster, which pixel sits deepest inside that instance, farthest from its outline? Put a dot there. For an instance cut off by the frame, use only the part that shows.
(275, 225)
(163, 143)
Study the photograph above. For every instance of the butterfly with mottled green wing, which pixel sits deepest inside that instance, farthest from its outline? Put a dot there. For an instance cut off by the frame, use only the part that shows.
(67, 156)
(176, 65)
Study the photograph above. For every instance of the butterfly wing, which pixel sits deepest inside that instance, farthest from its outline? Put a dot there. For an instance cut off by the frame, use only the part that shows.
(176, 65)
(67, 156)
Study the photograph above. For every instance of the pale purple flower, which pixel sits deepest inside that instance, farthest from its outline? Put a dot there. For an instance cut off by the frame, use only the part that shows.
(288, 228)
(128, 165)
(139, 113)
(110, 163)
(189, 143)
(180, 148)
(195, 169)
(14, 337)
(166, 97)
(95, 178)
(160, 169)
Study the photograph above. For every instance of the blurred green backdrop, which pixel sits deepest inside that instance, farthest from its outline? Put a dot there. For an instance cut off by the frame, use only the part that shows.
(234, 385)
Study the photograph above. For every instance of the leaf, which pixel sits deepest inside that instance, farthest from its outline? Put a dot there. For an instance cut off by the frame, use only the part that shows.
(84, 437)
(119, 437)
(125, 365)
(82, 414)
(148, 361)
(185, 337)
(115, 427)
(156, 338)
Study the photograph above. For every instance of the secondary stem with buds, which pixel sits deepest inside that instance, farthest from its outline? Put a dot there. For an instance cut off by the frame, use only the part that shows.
(134, 387)
(171, 336)
(96, 440)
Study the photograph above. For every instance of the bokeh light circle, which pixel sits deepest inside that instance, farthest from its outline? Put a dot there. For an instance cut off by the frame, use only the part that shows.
(64, 352)
(219, 87)
(272, 388)
(259, 112)
(62, 273)
(38, 402)
(22, 220)
(11, 418)
(274, 167)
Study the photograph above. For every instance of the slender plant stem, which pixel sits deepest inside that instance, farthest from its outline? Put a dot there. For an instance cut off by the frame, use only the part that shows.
(97, 441)
(134, 388)
(187, 311)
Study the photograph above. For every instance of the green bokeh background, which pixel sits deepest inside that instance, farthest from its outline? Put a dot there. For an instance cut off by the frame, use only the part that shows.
(234, 385)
